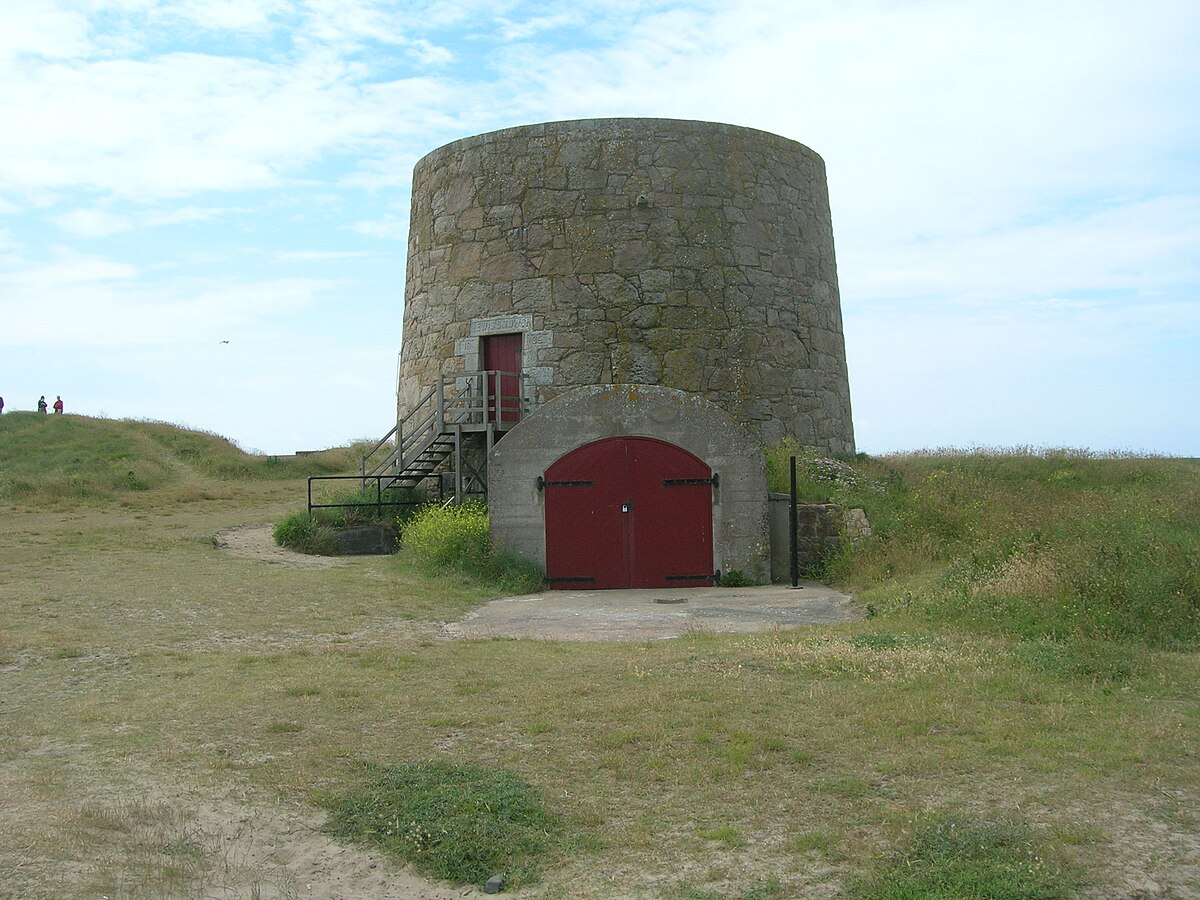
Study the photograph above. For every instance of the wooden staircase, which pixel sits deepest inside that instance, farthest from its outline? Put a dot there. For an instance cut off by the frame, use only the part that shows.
(461, 415)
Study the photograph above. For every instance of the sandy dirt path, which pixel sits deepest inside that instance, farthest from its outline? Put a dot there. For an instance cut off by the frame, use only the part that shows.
(258, 542)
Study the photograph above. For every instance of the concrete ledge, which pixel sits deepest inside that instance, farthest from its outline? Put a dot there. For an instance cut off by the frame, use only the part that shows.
(366, 540)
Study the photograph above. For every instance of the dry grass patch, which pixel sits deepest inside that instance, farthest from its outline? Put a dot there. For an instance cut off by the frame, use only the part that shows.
(780, 764)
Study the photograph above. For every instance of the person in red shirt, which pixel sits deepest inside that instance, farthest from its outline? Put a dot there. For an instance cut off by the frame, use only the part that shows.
(58, 406)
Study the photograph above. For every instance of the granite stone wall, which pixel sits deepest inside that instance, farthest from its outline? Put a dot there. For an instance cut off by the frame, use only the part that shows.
(818, 532)
(691, 255)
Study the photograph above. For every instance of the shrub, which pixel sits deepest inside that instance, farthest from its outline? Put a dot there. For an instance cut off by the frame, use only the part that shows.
(305, 535)
(820, 478)
(450, 538)
(454, 539)
(317, 533)
(458, 822)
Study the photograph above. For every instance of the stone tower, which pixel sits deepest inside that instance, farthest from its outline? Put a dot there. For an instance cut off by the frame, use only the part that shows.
(689, 255)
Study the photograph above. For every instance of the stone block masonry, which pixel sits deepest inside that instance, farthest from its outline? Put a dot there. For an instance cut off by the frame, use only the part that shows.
(691, 255)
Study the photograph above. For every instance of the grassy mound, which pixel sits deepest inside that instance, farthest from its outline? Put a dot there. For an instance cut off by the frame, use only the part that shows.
(1045, 545)
(78, 457)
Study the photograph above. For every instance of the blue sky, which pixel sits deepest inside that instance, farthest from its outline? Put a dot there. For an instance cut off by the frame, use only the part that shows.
(1015, 189)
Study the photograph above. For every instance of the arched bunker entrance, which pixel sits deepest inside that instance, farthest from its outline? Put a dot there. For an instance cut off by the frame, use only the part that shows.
(627, 440)
(629, 512)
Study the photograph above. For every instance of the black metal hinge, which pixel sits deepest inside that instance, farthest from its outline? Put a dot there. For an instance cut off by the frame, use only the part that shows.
(542, 483)
(714, 481)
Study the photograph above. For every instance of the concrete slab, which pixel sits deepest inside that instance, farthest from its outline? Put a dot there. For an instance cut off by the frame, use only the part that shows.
(656, 614)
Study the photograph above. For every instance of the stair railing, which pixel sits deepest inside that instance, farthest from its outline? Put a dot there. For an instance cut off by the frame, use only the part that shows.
(461, 399)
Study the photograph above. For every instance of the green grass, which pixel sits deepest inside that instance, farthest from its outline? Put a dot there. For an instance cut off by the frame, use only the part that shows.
(50, 458)
(454, 540)
(455, 822)
(306, 534)
(958, 858)
(164, 702)
(1051, 545)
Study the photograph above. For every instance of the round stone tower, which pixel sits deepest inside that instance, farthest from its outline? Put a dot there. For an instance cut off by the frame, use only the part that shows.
(689, 255)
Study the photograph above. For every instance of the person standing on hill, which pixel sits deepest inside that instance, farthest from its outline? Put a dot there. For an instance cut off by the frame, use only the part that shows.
(42, 403)
(58, 406)
(1, 406)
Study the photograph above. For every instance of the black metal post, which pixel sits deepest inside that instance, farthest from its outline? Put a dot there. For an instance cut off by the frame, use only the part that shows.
(793, 529)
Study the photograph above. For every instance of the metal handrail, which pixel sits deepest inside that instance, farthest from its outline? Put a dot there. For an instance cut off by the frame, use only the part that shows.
(379, 502)
(464, 398)
(398, 430)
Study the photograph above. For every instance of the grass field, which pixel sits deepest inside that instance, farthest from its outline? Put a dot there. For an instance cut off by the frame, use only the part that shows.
(1021, 707)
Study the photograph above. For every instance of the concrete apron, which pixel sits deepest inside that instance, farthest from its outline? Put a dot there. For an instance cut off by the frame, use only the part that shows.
(656, 614)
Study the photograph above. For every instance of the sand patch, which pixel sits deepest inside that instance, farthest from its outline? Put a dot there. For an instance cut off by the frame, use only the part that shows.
(258, 542)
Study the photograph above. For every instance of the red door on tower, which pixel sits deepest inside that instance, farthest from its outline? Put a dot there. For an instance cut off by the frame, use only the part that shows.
(628, 512)
(502, 353)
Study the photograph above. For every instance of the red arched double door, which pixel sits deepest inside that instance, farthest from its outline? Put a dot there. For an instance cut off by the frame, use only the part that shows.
(628, 512)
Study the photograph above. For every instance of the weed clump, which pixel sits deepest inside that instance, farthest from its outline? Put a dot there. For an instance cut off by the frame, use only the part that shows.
(457, 822)
(957, 859)
(450, 538)
(302, 533)
(736, 578)
(455, 540)
(316, 532)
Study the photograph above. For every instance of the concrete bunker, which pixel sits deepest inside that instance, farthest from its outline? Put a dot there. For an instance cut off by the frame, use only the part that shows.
(736, 505)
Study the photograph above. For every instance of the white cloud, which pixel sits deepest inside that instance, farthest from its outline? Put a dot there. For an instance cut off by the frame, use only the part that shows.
(340, 21)
(1141, 246)
(229, 15)
(431, 54)
(98, 222)
(321, 255)
(527, 28)
(68, 270)
(92, 223)
(181, 215)
(184, 123)
(41, 30)
(78, 300)
(390, 227)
